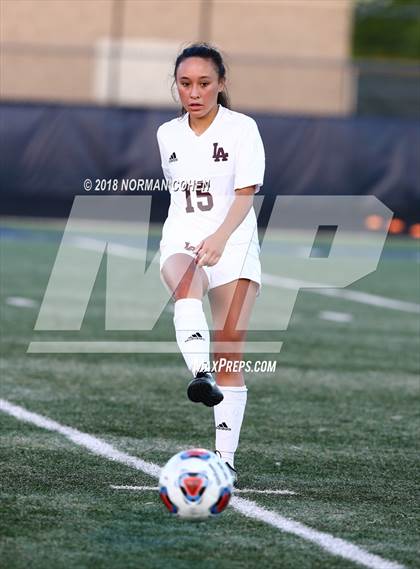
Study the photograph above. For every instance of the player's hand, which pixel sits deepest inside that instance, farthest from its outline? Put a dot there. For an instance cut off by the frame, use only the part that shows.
(209, 251)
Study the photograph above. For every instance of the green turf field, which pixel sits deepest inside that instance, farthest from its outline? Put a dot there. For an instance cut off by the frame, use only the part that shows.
(336, 424)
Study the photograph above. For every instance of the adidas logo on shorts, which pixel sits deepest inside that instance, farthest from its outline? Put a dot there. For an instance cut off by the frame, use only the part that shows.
(195, 336)
(173, 158)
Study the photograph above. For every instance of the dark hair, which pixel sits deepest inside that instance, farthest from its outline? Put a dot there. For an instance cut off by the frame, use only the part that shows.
(206, 51)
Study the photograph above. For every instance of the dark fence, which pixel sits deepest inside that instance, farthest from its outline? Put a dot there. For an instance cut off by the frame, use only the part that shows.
(47, 151)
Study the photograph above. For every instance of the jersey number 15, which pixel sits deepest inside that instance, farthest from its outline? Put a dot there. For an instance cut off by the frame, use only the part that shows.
(204, 205)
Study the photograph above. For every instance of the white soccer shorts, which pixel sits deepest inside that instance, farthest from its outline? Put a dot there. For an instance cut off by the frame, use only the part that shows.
(237, 261)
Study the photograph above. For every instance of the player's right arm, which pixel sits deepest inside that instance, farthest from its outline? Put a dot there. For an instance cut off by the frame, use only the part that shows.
(163, 154)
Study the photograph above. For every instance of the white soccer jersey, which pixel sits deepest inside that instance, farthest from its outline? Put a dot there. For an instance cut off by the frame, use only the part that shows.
(204, 171)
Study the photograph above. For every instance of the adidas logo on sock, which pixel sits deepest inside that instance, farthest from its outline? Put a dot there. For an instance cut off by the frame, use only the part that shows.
(195, 336)
(173, 158)
(223, 427)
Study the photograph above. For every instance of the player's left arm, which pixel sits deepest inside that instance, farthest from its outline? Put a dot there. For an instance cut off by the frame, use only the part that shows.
(210, 249)
(241, 205)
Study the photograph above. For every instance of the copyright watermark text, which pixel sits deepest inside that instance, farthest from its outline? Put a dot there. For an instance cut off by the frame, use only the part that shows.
(133, 185)
(125, 185)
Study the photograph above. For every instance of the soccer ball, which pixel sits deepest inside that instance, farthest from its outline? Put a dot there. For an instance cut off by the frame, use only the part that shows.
(195, 484)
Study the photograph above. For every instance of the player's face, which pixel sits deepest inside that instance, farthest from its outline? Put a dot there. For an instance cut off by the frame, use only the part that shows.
(198, 85)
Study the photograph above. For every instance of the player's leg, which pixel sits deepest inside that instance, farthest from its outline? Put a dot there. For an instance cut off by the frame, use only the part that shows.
(231, 306)
(188, 284)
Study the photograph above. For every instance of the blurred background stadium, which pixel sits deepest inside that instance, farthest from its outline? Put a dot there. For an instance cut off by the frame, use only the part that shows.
(333, 84)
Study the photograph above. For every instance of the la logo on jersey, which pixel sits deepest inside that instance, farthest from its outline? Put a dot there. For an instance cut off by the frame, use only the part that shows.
(219, 153)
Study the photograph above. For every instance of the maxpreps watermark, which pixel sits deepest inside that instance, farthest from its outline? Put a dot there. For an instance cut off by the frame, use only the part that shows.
(229, 366)
(133, 185)
(117, 228)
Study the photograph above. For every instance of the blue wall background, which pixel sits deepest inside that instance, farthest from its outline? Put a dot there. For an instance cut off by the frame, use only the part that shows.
(48, 150)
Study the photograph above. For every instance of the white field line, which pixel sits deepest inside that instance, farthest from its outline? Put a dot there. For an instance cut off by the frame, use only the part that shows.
(130, 252)
(95, 445)
(356, 296)
(326, 541)
(21, 302)
(236, 490)
(335, 316)
(329, 543)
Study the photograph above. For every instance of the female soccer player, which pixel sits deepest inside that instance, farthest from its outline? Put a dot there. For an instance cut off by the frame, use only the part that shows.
(214, 159)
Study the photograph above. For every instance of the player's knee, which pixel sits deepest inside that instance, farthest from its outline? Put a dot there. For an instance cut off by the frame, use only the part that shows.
(180, 294)
(189, 288)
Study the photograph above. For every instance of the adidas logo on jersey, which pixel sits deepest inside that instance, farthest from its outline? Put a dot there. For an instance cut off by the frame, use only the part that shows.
(173, 158)
(223, 427)
(195, 336)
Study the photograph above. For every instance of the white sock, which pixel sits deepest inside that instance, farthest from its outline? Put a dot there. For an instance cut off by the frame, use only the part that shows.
(192, 334)
(228, 416)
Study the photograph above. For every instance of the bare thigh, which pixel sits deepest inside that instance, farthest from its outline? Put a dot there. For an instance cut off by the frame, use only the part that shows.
(184, 278)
